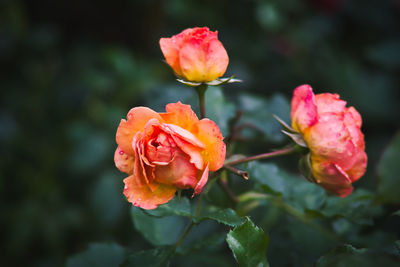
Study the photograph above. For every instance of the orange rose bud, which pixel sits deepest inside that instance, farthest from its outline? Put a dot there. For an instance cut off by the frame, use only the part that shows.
(162, 152)
(332, 133)
(195, 54)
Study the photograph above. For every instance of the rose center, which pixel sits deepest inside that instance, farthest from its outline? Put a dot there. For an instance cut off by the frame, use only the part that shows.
(161, 149)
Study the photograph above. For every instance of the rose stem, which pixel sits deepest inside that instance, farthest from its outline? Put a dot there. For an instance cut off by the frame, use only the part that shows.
(243, 174)
(201, 90)
(276, 153)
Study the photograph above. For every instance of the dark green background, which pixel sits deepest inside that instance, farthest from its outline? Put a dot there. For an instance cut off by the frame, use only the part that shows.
(70, 70)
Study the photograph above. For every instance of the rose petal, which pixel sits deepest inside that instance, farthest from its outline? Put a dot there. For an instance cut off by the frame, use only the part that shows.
(170, 49)
(353, 117)
(180, 172)
(181, 115)
(217, 60)
(123, 161)
(141, 196)
(359, 167)
(208, 133)
(192, 57)
(329, 103)
(194, 152)
(137, 119)
(304, 109)
(331, 177)
(203, 180)
(330, 140)
(352, 120)
(183, 134)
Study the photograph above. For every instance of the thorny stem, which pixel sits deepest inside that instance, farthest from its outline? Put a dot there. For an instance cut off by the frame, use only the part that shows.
(276, 153)
(228, 166)
(201, 90)
(243, 174)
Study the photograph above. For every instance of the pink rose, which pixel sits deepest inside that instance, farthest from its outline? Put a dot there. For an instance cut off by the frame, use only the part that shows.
(195, 54)
(162, 152)
(332, 133)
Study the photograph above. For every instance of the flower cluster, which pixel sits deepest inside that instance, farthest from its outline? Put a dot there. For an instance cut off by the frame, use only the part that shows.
(164, 152)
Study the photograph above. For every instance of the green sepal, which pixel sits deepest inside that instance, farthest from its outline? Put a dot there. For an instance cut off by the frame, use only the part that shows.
(305, 167)
(296, 137)
(216, 82)
(284, 124)
(221, 81)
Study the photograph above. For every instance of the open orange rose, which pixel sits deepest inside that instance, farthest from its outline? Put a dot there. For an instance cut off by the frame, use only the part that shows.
(332, 133)
(165, 151)
(195, 54)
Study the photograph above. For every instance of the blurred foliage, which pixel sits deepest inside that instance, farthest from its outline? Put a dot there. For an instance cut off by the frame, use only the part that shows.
(72, 69)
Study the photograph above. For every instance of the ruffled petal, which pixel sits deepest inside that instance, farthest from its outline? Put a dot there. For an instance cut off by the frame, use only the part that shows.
(137, 119)
(330, 140)
(170, 49)
(183, 134)
(181, 115)
(140, 195)
(123, 161)
(180, 172)
(359, 167)
(329, 103)
(352, 120)
(214, 153)
(304, 109)
(331, 177)
(194, 152)
(200, 184)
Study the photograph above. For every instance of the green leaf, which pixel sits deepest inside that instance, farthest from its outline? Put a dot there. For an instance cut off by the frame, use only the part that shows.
(348, 256)
(248, 244)
(225, 216)
(153, 257)
(260, 112)
(269, 175)
(158, 231)
(207, 241)
(305, 196)
(176, 206)
(357, 207)
(388, 172)
(182, 207)
(98, 255)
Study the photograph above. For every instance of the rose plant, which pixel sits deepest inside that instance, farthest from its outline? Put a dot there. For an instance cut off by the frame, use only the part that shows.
(175, 150)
